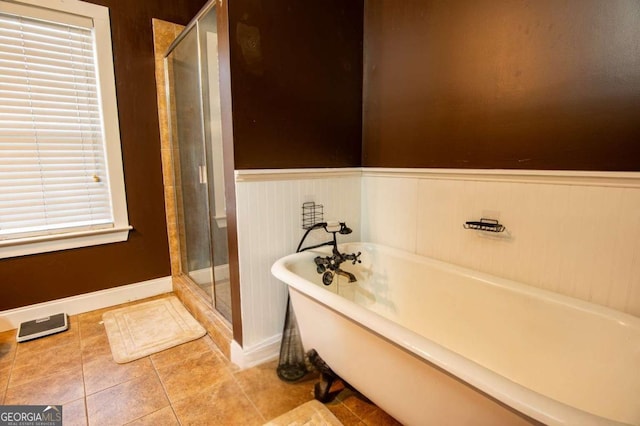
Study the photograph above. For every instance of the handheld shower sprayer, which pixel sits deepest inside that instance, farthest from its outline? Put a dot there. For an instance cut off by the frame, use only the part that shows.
(344, 229)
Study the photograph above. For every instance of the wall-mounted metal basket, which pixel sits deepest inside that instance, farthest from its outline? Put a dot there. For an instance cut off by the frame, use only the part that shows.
(312, 213)
(489, 225)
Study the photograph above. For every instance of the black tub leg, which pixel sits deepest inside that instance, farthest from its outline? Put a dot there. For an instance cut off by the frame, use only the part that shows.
(321, 389)
(328, 377)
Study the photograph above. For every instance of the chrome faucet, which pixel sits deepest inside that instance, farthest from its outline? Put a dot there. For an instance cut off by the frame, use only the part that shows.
(329, 266)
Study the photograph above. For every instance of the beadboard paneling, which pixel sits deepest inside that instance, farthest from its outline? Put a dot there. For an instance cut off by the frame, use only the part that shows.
(575, 236)
(572, 233)
(390, 211)
(269, 227)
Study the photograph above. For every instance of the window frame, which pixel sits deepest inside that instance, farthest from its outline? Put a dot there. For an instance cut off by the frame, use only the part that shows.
(119, 232)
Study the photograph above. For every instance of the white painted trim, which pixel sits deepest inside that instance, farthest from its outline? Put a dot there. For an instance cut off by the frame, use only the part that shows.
(559, 177)
(293, 174)
(99, 17)
(55, 242)
(267, 350)
(12, 318)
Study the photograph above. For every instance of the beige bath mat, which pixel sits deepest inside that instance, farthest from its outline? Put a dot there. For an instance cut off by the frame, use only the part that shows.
(311, 413)
(146, 328)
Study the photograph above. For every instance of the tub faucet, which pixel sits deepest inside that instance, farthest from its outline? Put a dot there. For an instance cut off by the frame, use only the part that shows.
(328, 266)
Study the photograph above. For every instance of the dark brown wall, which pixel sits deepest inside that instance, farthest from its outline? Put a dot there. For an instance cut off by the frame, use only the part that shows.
(37, 278)
(296, 75)
(502, 84)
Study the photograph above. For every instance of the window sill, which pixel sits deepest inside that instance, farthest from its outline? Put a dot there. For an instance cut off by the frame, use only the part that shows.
(49, 243)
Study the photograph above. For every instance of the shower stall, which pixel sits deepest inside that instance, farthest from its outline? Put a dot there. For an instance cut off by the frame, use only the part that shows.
(193, 99)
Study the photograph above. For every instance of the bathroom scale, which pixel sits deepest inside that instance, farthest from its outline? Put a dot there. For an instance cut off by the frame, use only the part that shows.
(42, 327)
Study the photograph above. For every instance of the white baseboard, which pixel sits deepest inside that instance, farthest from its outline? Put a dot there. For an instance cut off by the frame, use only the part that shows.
(12, 318)
(267, 350)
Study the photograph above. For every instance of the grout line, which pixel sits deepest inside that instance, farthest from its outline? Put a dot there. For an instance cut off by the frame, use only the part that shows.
(6, 386)
(138, 418)
(175, 415)
(84, 385)
(235, 379)
(164, 389)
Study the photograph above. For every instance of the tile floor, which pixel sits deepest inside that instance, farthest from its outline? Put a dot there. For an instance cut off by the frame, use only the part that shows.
(191, 384)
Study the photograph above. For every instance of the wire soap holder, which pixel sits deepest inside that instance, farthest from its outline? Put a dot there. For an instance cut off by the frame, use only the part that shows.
(312, 213)
(489, 225)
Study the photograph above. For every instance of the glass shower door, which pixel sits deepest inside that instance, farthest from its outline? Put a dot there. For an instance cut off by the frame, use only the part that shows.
(196, 134)
(212, 125)
(190, 162)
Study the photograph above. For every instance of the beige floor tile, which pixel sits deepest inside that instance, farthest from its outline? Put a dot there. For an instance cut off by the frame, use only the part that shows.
(377, 417)
(8, 336)
(90, 323)
(7, 349)
(343, 414)
(74, 413)
(224, 404)
(149, 299)
(218, 352)
(55, 389)
(126, 402)
(38, 364)
(179, 354)
(95, 347)
(311, 412)
(193, 375)
(7, 356)
(4, 380)
(163, 417)
(270, 395)
(201, 384)
(355, 402)
(103, 372)
(212, 345)
(5, 372)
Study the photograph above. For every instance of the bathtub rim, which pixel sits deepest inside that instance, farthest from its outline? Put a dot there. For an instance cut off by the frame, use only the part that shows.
(530, 403)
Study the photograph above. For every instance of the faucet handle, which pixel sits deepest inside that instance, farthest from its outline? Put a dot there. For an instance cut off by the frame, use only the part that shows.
(354, 258)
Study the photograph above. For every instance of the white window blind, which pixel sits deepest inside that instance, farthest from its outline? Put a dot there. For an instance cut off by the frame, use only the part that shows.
(53, 174)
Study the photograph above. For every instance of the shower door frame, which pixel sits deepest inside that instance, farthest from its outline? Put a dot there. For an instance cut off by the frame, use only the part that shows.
(221, 10)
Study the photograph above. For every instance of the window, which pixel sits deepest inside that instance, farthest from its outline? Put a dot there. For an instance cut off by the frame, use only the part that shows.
(61, 179)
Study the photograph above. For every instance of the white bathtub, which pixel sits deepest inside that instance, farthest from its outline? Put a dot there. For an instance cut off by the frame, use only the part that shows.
(433, 343)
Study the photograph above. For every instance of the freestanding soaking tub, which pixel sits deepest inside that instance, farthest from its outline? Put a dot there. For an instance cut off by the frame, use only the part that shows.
(433, 343)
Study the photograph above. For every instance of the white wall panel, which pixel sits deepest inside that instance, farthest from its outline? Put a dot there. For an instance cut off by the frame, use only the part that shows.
(269, 210)
(390, 212)
(570, 234)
